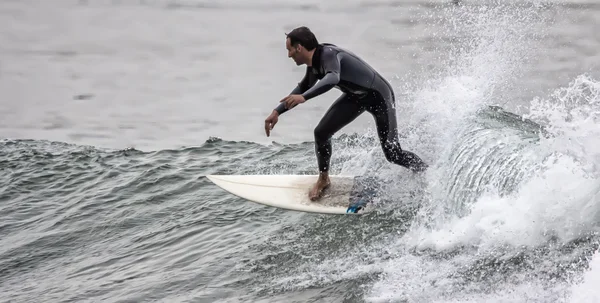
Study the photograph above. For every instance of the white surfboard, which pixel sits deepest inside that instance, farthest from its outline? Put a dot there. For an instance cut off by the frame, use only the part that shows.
(291, 191)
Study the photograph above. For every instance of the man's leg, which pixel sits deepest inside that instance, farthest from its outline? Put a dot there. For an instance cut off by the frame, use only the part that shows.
(383, 110)
(343, 111)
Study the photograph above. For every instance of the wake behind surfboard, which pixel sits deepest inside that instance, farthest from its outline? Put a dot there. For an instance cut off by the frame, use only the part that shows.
(346, 194)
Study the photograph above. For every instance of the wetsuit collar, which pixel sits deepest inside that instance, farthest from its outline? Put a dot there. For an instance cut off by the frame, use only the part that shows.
(316, 59)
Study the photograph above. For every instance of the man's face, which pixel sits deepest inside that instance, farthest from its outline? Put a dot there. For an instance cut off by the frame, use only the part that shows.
(293, 52)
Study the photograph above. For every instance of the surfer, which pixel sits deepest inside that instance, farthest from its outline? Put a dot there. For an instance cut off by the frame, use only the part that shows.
(363, 89)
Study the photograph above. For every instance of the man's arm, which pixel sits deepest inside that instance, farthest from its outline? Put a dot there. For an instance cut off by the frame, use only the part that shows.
(299, 89)
(331, 65)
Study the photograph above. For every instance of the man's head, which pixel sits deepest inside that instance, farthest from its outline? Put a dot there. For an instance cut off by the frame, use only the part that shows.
(300, 44)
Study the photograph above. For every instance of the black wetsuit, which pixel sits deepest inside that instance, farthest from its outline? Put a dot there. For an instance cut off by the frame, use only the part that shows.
(363, 90)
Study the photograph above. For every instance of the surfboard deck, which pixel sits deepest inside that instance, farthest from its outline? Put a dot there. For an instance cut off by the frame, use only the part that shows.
(291, 192)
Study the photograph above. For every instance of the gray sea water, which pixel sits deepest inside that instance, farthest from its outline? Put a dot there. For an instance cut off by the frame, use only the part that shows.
(113, 111)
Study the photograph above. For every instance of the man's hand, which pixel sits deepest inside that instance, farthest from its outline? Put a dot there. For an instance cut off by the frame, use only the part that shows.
(270, 122)
(292, 100)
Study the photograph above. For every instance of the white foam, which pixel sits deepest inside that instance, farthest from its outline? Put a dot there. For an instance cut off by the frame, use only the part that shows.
(588, 291)
(562, 202)
(420, 279)
(559, 200)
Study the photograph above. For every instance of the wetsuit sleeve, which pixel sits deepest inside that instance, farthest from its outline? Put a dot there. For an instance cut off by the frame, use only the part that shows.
(331, 66)
(299, 89)
(304, 84)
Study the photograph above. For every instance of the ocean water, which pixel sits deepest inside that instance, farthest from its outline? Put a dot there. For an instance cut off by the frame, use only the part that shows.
(113, 111)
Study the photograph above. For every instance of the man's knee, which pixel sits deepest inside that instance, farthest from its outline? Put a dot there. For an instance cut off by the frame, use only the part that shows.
(322, 133)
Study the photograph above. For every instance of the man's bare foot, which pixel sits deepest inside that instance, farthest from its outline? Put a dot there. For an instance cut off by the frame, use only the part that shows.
(317, 189)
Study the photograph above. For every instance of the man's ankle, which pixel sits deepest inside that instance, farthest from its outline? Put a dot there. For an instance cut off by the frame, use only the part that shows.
(323, 177)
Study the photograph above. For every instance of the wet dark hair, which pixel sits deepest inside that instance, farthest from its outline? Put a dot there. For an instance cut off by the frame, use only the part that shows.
(303, 36)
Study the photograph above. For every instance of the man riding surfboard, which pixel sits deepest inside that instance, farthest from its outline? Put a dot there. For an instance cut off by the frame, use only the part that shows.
(364, 89)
